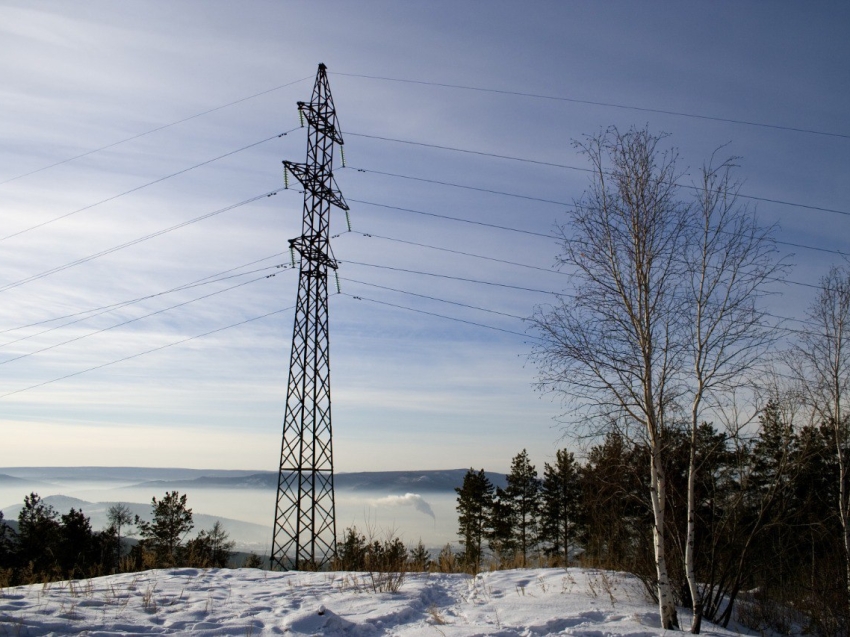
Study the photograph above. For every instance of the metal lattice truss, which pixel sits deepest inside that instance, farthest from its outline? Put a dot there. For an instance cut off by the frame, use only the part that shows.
(305, 523)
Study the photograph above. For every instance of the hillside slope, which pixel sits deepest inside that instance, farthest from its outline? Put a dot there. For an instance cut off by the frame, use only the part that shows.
(528, 603)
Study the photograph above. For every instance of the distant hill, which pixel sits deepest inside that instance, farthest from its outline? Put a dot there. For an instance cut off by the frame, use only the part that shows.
(10, 480)
(432, 481)
(116, 474)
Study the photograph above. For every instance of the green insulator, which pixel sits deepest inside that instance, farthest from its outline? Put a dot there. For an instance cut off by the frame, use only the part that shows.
(285, 177)
(338, 288)
(348, 220)
(292, 255)
(342, 155)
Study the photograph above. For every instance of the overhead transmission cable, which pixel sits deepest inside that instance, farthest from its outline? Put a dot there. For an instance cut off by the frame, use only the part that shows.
(94, 313)
(443, 316)
(460, 252)
(578, 168)
(152, 130)
(136, 241)
(450, 218)
(149, 351)
(434, 298)
(532, 267)
(454, 278)
(572, 205)
(145, 185)
(463, 186)
(144, 316)
(556, 98)
(535, 290)
(543, 234)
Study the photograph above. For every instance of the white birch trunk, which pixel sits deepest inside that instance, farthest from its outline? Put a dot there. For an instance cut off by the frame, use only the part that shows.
(690, 574)
(666, 605)
(690, 571)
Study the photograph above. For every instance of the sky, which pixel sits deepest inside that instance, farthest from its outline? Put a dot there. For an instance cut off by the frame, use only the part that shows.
(128, 119)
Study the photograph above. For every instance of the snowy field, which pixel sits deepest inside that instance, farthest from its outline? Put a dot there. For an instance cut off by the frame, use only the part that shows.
(527, 603)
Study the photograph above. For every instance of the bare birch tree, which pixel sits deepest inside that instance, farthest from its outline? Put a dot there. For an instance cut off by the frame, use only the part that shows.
(613, 348)
(730, 260)
(822, 363)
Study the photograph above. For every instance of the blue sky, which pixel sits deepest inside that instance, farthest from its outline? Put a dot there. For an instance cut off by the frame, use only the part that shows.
(410, 390)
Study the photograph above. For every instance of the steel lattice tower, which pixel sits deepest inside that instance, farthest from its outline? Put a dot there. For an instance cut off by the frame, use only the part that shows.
(305, 523)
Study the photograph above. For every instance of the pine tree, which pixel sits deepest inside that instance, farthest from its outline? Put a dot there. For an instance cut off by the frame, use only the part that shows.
(7, 546)
(77, 544)
(38, 534)
(561, 496)
(523, 496)
(210, 549)
(474, 501)
(420, 558)
(172, 520)
(351, 551)
(501, 525)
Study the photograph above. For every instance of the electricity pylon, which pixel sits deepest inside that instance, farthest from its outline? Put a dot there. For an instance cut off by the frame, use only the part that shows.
(305, 523)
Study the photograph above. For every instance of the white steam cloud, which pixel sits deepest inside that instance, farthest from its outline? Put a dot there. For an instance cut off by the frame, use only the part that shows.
(408, 499)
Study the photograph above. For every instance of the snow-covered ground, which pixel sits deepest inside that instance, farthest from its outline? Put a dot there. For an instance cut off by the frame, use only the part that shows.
(528, 603)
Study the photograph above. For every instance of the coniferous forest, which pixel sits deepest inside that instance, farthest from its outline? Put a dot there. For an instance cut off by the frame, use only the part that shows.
(47, 546)
(765, 516)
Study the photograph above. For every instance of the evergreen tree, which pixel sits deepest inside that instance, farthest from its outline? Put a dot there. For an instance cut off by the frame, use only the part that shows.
(561, 496)
(616, 515)
(501, 525)
(420, 558)
(474, 502)
(172, 520)
(7, 544)
(523, 496)
(38, 534)
(77, 545)
(210, 549)
(351, 552)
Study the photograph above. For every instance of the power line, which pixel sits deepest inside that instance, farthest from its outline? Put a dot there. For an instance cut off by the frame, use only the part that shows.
(434, 298)
(472, 152)
(454, 278)
(186, 286)
(545, 235)
(578, 168)
(139, 318)
(443, 316)
(450, 218)
(150, 351)
(549, 292)
(158, 233)
(522, 265)
(629, 107)
(775, 327)
(150, 183)
(464, 186)
(94, 313)
(460, 252)
(152, 130)
(532, 161)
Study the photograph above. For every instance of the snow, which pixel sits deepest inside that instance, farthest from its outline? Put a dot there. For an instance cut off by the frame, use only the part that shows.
(246, 602)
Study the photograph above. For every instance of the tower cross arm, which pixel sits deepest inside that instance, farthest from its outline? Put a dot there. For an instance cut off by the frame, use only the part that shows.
(316, 183)
(322, 121)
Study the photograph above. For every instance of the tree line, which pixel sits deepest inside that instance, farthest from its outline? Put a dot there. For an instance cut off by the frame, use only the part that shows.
(763, 511)
(47, 546)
